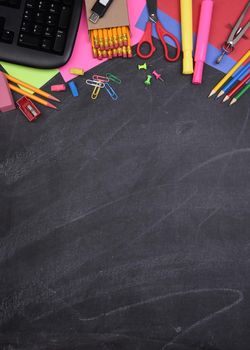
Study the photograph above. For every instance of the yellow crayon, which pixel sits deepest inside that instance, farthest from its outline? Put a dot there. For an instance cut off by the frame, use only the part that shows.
(187, 35)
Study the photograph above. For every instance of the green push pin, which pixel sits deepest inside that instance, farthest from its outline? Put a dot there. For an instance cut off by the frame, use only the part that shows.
(142, 66)
(148, 81)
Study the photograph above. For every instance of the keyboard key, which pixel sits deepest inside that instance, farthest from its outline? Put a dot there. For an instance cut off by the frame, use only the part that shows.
(47, 44)
(60, 41)
(29, 40)
(7, 36)
(64, 17)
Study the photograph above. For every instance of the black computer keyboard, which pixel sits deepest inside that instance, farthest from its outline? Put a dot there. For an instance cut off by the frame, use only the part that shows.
(38, 33)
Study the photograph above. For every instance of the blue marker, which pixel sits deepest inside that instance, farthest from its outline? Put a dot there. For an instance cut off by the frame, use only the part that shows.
(240, 74)
(73, 88)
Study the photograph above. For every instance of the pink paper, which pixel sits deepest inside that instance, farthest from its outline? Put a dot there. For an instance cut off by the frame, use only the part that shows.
(82, 53)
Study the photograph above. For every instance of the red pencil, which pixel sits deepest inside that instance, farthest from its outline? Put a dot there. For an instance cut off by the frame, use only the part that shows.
(237, 87)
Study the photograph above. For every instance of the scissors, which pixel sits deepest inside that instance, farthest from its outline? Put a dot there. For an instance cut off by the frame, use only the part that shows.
(162, 33)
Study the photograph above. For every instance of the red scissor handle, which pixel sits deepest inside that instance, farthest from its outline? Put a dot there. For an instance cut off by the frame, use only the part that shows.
(146, 39)
(162, 33)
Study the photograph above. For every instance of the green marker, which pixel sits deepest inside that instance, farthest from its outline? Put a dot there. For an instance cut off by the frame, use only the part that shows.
(241, 93)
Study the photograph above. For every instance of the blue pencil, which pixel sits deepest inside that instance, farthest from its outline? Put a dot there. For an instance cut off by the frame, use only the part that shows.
(239, 74)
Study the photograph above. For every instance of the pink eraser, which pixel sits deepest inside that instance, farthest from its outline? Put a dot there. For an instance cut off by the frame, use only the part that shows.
(6, 99)
(59, 87)
(202, 39)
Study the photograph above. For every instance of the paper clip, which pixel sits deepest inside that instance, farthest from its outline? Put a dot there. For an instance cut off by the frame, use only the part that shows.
(113, 78)
(111, 92)
(95, 92)
(95, 83)
(100, 78)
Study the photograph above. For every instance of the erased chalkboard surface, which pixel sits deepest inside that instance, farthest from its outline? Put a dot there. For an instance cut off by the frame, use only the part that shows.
(125, 225)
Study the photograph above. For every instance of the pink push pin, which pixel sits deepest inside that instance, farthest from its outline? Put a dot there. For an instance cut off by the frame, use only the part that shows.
(157, 75)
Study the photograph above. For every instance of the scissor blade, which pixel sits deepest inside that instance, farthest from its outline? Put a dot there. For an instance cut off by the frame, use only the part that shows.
(152, 8)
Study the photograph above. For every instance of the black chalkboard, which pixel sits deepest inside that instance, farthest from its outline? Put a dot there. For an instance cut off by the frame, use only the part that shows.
(125, 224)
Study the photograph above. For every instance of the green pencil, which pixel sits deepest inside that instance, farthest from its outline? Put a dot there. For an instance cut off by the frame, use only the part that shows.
(242, 92)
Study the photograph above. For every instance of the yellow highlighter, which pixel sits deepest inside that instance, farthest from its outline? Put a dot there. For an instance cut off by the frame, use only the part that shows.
(187, 35)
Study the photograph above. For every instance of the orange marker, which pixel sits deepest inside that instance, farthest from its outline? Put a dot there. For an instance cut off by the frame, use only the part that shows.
(95, 38)
(100, 37)
(115, 37)
(110, 36)
(125, 36)
(119, 33)
(106, 39)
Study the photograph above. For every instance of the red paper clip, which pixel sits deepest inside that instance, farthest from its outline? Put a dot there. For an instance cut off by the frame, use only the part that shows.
(28, 108)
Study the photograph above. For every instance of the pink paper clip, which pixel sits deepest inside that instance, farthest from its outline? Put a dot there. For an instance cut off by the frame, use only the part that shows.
(100, 78)
(28, 108)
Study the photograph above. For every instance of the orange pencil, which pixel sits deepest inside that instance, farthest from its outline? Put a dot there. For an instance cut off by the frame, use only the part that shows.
(100, 37)
(124, 51)
(124, 36)
(119, 52)
(99, 54)
(94, 50)
(114, 52)
(115, 37)
(32, 97)
(106, 39)
(129, 50)
(110, 36)
(31, 88)
(95, 36)
(110, 54)
(120, 39)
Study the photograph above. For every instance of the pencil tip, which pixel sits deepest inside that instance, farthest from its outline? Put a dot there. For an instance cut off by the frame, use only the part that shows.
(232, 102)
(225, 99)
(51, 106)
(54, 98)
(221, 93)
(211, 93)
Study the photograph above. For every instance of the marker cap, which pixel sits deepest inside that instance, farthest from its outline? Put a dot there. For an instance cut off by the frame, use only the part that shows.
(198, 71)
(188, 64)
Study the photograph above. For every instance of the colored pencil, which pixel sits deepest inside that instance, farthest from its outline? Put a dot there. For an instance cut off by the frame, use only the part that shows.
(31, 88)
(106, 39)
(240, 94)
(100, 37)
(238, 76)
(32, 97)
(229, 74)
(110, 36)
(115, 37)
(237, 88)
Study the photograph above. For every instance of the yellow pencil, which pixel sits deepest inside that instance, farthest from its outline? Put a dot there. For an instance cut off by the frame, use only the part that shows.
(31, 88)
(94, 50)
(187, 35)
(110, 36)
(32, 97)
(124, 36)
(95, 38)
(100, 37)
(120, 38)
(230, 73)
(129, 50)
(106, 39)
(115, 37)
